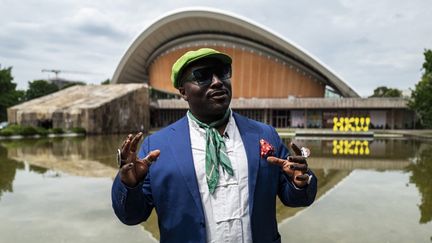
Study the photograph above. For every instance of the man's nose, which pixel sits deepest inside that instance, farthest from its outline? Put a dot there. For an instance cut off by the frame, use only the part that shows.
(216, 81)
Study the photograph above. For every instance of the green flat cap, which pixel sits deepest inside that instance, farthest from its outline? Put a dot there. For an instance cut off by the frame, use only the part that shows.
(192, 56)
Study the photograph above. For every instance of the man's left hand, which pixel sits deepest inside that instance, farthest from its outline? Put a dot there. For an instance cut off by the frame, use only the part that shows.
(295, 167)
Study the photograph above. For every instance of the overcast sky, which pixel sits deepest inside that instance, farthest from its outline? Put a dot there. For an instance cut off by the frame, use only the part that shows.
(368, 43)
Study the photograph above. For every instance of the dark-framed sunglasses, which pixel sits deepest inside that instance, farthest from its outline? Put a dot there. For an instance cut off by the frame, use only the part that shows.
(204, 75)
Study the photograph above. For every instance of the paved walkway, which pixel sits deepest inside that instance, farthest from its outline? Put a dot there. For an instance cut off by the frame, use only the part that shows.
(422, 134)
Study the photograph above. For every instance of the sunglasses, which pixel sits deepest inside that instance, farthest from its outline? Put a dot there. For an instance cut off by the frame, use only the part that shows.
(204, 75)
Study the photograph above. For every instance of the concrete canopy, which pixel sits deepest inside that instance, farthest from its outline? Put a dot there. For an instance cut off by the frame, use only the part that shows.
(169, 30)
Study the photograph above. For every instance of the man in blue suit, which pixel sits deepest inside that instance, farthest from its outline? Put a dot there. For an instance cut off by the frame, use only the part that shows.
(212, 176)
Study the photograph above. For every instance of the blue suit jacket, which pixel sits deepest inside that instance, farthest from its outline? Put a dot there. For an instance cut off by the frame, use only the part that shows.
(172, 189)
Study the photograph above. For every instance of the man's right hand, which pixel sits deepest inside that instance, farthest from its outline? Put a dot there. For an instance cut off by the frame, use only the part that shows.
(132, 169)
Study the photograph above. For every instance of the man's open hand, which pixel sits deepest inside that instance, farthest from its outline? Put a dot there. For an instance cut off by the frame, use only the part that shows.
(294, 166)
(132, 169)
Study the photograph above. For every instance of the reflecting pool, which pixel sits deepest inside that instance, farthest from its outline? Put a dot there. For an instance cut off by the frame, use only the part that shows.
(58, 190)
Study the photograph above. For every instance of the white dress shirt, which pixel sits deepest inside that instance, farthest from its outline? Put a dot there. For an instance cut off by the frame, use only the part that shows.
(227, 209)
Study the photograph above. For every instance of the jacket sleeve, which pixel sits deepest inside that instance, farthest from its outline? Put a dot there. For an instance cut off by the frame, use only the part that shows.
(287, 192)
(133, 205)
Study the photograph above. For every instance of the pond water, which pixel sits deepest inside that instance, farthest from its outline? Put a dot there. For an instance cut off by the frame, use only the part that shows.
(58, 190)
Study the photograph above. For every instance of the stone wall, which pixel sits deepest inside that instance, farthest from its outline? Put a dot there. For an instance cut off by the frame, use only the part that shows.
(129, 113)
(121, 108)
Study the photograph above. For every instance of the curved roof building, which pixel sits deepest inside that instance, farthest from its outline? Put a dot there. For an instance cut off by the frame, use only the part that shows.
(264, 64)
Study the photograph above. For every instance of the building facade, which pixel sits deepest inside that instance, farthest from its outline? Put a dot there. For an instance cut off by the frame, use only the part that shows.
(274, 81)
(383, 113)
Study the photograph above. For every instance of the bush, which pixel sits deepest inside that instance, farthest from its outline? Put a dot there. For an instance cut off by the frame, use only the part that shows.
(6, 132)
(78, 130)
(57, 130)
(42, 131)
(19, 130)
(27, 131)
(10, 130)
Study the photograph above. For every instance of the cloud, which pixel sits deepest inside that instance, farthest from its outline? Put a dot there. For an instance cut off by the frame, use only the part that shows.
(92, 23)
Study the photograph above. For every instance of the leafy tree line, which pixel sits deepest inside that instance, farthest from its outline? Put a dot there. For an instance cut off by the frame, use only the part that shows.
(10, 96)
(384, 91)
(421, 96)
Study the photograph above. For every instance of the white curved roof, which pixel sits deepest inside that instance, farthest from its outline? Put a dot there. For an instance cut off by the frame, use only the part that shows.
(188, 22)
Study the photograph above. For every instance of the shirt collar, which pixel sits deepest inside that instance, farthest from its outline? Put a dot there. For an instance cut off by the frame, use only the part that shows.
(229, 129)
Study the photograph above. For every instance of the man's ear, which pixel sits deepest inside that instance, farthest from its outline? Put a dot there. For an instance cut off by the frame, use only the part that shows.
(183, 93)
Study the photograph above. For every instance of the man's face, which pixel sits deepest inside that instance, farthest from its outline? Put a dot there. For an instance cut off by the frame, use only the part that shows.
(206, 86)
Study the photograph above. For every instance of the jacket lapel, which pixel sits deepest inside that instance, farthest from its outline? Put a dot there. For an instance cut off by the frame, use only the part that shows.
(182, 153)
(250, 138)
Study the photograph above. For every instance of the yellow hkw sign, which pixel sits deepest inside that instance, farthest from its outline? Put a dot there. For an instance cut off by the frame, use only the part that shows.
(353, 124)
(354, 147)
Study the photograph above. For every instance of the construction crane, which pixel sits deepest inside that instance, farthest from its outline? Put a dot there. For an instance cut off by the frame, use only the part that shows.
(57, 71)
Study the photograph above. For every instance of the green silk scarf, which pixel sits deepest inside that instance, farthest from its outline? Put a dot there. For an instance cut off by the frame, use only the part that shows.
(215, 150)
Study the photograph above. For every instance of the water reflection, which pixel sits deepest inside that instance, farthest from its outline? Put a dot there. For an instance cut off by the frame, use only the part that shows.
(378, 148)
(44, 192)
(351, 147)
(94, 156)
(82, 156)
(8, 169)
(331, 168)
(421, 176)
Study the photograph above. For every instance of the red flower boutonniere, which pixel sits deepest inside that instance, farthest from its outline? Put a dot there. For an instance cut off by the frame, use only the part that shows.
(266, 149)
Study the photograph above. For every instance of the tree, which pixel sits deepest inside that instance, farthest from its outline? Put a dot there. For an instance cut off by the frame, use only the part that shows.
(107, 81)
(38, 88)
(421, 96)
(427, 65)
(8, 95)
(383, 91)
